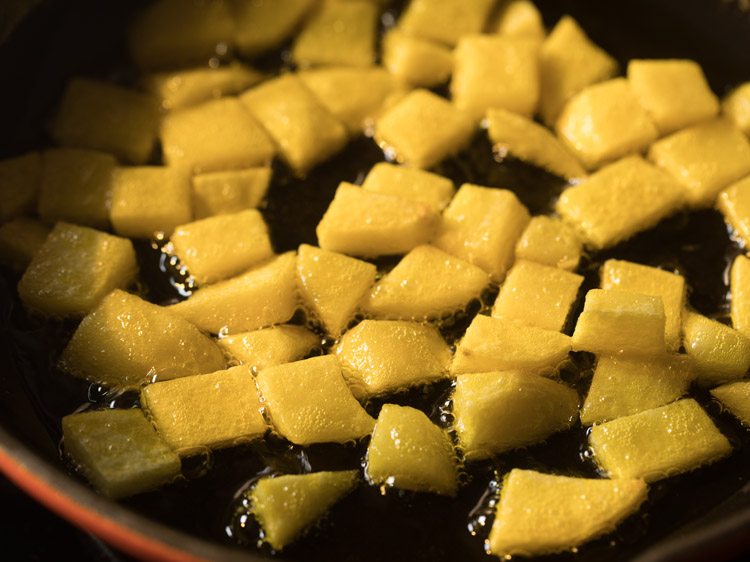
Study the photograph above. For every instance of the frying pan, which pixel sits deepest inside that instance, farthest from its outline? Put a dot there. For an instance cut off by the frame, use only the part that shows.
(695, 516)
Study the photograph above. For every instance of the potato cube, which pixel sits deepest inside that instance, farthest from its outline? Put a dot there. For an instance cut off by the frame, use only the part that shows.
(537, 295)
(332, 285)
(263, 296)
(674, 92)
(419, 62)
(76, 187)
(219, 247)
(622, 323)
(20, 240)
(410, 183)
(426, 283)
(74, 269)
(364, 223)
(481, 225)
(704, 159)
(221, 193)
(549, 241)
(736, 106)
(569, 61)
(338, 33)
(619, 201)
(734, 203)
(500, 411)
(636, 278)
(286, 505)
(126, 341)
(605, 122)
(409, 452)
(545, 513)
(305, 132)
(494, 71)
(263, 25)
(215, 135)
(149, 199)
(380, 356)
(220, 409)
(422, 129)
(739, 284)
(736, 398)
(627, 385)
(20, 180)
(270, 346)
(445, 21)
(721, 354)
(520, 18)
(118, 451)
(658, 443)
(104, 117)
(309, 402)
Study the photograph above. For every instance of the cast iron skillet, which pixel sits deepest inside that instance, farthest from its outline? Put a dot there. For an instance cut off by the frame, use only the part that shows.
(694, 516)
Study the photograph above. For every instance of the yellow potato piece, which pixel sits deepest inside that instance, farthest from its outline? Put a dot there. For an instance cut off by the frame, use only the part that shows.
(220, 193)
(426, 283)
(545, 513)
(286, 505)
(520, 18)
(380, 356)
(537, 295)
(734, 204)
(332, 285)
(410, 183)
(627, 385)
(212, 411)
(549, 241)
(270, 346)
(481, 225)
(419, 62)
(620, 200)
(528, 141)
(740, 291)
(365, 223)
(309, 402)
(736, 106)
(407, 451)
(263, 25)
(736, 398)
(445, 21)
(20, 180)
(119, 452)
(20, 240)
(704, 158)
(126, 341)
(492, 344)
(658, 443)
(721, 354)
(219, 247)
(636, 278)
(74, 269)
(264, 295)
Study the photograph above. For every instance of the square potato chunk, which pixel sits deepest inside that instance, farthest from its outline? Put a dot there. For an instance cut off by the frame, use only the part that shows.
(20, 240)
(221, 193)
(736, 106)
(20, 180)
(739, 287)
(410, 183)
(270, 346)
(419, 62)
(520, 18)
(263, 25)
(736, 398)
(721, 354)
(549, 241)
(734, 204)
(445, 21)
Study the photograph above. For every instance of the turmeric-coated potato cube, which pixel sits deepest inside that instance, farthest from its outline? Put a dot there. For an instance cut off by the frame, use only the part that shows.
(74, 269)
(410, 183)
(20, 240)
(704, 159)
(208, 411)
(407, 451)
(492, 344)
(547, 513)
(537, 295)
(736, 106)
(149, 199)
(105, 117)
(735, 397)
(520, 18)
(332, 285)
(271, 346)
(619, 201)
(309, 402)
(426, 284)
(739, 288)
(549, 241)
(494, 71)
(734, 204)
(118, 451)
(232, 191)
(379, 356)
(216, 135)
(20, 179)
(263, 25)
(721, 354)
(263, 296)
(419, 62)
(658, 443)
(445, 21)
(127, 341)
(497, 412)
(219, 247)
(422, 129)
(287, 505)
(605, 122)
(364, 223)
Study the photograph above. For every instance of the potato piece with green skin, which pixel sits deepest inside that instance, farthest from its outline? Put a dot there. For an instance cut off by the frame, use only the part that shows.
(544, 513)
(734, 204)
(550, 241)
(20, 180)
(286, 505)
(497, 411)
(270, 346)
(445, 21)
(739, 286)
(263, 25)
(232, 191)
(721, 354)
(418, 62)
(20, 240)
(736, 398)
(410, 183)
(407, 451)
(119, 451)
(736, 106)
(658, 443)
